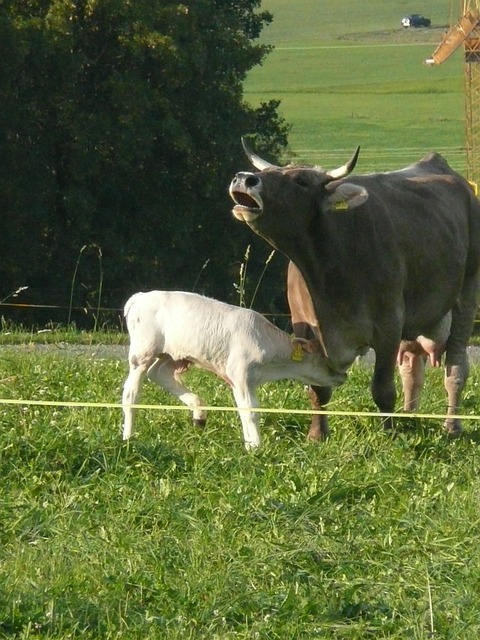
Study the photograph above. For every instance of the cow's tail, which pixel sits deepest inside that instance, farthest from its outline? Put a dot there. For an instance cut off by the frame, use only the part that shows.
(129, 304)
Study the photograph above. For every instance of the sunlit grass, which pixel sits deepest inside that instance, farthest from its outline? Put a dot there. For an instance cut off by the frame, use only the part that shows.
(350, 74)
(181, 533)
(11, 334)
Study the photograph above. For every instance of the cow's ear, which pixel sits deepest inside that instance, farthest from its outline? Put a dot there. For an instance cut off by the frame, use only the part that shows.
(345, 195)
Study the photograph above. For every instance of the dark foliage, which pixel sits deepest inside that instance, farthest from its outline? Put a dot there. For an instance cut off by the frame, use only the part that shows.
(119, 133)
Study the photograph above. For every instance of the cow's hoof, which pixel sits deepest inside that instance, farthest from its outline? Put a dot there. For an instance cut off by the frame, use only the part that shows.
(453, 428)
(318, 432)
(199, 422)
(317, 436)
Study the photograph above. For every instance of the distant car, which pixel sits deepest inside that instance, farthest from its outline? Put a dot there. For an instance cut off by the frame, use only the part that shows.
(416, 20)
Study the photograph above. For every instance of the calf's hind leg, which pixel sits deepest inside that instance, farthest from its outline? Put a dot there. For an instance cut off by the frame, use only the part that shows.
(131, 393)
(165, 373)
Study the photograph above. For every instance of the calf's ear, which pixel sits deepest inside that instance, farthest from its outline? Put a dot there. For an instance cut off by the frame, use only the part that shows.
(307, 346)
(344, 196)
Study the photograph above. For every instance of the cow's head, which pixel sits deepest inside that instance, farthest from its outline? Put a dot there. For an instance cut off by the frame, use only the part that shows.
(278, 201)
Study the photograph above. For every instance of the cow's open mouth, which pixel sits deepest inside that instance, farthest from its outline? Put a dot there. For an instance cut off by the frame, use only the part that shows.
(244, 200)
(246, 208)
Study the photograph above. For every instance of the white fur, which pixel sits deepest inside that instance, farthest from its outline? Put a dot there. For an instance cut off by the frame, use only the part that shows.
(169, 328)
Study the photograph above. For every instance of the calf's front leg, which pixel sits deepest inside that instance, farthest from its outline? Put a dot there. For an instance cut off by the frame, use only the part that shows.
(456, 358)
(246, 398)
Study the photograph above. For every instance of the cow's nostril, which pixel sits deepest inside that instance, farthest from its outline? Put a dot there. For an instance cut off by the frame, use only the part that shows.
(251, 181)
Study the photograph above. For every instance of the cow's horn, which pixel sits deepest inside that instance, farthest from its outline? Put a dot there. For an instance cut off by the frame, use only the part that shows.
(257, 162)
(345, 169)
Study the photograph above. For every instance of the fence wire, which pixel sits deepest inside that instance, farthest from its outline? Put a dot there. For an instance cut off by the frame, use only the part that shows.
(168, 407)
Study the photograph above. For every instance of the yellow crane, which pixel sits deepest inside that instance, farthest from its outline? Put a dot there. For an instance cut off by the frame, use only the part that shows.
(467, 33)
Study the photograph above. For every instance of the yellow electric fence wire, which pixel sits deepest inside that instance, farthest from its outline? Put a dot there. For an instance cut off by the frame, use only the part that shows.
(166, 407)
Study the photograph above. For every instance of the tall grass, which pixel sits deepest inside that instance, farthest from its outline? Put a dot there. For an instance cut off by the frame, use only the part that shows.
(98, 252)
(242, 287)
(183, 534)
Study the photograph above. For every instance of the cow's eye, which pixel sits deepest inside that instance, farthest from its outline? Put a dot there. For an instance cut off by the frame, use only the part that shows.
(301, 181)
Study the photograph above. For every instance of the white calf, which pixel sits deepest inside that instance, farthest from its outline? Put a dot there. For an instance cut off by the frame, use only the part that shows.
(170, 330)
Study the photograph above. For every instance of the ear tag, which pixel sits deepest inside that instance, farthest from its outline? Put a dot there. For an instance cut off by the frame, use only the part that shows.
(297, 353)
(340, 206)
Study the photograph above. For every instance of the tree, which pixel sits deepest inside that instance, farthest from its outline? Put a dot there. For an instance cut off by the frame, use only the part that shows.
(121, 129)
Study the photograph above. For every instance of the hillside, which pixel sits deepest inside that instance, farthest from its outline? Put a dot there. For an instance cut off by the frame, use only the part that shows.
(349, 73)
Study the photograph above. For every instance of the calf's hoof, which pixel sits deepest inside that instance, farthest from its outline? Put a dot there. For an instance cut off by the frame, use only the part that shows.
(199, 422)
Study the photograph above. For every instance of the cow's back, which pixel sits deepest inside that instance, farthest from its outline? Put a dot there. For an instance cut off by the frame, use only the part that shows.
(414, 243)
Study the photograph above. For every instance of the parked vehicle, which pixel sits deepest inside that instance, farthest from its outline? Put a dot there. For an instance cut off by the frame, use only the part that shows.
(416, 20)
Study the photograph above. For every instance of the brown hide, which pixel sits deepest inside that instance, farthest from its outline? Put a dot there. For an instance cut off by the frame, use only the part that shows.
(305, 325)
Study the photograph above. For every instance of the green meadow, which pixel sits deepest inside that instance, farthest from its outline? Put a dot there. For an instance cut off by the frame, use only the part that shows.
(181, 534)
(348, 74)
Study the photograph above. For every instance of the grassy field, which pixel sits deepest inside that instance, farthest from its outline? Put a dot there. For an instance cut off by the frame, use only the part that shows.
(182, 534)
(349, 74)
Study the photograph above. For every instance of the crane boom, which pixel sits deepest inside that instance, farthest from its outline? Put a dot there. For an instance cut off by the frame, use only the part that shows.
(455, 37)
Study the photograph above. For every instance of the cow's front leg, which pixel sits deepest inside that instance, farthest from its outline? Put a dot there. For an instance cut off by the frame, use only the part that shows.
(383, 383)
(319, 396)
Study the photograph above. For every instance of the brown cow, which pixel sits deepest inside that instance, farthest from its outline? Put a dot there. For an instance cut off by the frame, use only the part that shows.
(385, 257)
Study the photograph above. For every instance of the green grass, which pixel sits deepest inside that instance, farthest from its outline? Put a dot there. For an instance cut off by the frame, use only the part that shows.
(183, 534)
(62, 336)
(11, 334)
(349, 74)
(307, 22)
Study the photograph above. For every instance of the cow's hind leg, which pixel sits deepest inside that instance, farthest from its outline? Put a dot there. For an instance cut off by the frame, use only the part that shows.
(412, 374)
(456, 359)
(165, 374)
